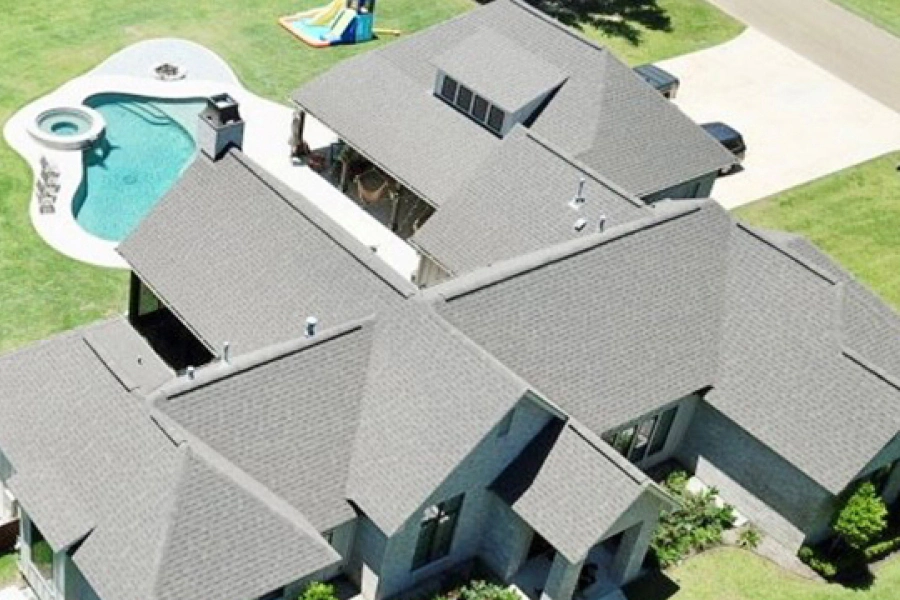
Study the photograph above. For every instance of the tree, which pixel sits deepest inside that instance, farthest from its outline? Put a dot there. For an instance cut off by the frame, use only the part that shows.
(318, 591)
(616, 18)
(863, 517)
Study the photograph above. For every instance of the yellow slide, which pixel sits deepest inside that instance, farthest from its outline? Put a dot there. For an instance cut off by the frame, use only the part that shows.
(327, 14)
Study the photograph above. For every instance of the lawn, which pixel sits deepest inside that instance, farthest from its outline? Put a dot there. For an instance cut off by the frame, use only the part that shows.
(9, 572)
(884, 13)
(44, 44)
(853, 215)
(694, 26)
(732, 574)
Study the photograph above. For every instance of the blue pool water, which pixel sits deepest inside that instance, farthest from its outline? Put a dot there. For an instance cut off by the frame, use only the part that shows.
(148, 145)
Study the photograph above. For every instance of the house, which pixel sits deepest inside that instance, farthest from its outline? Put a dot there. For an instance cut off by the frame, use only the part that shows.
(446, 113)
(507, 416)
(280, 407)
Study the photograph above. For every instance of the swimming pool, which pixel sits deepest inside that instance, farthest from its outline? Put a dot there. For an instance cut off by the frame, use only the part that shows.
(149, 142)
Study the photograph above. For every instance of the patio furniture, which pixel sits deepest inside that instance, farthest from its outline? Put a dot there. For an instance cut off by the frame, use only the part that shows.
(372, 186)
(48, 169)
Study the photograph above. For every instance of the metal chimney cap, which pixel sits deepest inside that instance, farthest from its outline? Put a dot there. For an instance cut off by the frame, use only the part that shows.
(312, 324)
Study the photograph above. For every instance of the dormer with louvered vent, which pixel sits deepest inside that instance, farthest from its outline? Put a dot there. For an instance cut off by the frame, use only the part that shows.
(495, 81)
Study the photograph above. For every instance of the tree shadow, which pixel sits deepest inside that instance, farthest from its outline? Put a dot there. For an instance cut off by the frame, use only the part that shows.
(615, 18)
(655, 585)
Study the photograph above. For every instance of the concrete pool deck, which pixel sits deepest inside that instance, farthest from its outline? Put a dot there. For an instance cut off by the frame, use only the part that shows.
(266, 141)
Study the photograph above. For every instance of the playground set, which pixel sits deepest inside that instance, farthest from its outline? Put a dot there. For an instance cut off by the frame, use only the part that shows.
(341, 22)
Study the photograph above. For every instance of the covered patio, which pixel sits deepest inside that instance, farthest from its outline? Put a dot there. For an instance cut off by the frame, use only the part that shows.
(370, 186)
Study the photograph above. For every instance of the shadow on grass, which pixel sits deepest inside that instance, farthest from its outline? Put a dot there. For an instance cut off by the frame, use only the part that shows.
(615, 18)
(656, 585)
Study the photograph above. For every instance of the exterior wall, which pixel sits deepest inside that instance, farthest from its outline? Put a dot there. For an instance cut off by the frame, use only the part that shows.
(471, 477)
(77, 587)
(888, 455)
(774, 494)
(366, 557)
(696, 188)
(430, 273)
(506, 540)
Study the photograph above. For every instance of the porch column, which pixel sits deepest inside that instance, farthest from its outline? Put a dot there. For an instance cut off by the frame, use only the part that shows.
(892, 487)
(562, 579)
(632, 550)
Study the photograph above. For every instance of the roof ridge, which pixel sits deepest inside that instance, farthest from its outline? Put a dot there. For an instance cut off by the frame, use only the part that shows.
(514, 267)
(169, 514)
(791, 254)
(583, 432)
(328, 226)
(592, 173)
(219, 371)
(876, 370)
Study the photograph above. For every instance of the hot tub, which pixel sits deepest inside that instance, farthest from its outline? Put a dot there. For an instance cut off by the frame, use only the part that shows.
(68, 127)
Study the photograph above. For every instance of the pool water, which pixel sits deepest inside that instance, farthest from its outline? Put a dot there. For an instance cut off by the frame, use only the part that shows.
(148, 145)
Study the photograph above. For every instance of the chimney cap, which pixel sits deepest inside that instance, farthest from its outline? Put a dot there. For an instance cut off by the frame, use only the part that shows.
(312, 324)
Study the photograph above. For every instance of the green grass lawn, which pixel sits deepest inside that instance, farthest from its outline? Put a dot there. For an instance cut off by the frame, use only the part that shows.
(853, 215)
(884, 13)
(9, 572)
(732, 574)
(44, 44)
(695, 25)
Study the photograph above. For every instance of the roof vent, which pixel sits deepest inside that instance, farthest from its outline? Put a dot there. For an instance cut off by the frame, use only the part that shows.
(601, 225)
(578, 201)
(226, 352)
(311, 324)
(191, 372)
(580, 224)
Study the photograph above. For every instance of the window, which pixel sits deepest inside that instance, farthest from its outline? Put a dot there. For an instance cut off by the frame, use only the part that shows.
(436, 533)
(495, 119)
(41, 553)
(479, 109)
(464, 98)
(448, 89)
(645, 438)
(661, 435)
(505, 425)
(644, 431)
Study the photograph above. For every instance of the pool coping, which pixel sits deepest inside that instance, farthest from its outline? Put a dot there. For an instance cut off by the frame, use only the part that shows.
(266, 121)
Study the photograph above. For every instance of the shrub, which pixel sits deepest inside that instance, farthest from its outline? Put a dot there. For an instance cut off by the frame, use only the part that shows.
(318, 591)
(749, 538)
(862, 518)
(696, 526)
(479, 590)
(882, 549)
(817, 562)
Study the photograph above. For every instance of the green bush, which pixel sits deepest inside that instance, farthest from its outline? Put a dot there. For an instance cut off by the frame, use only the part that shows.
(750, 538)
(318, 591)
(480, 590)
(817, 562)
(882, 549)
(862, 519)
(696, 526)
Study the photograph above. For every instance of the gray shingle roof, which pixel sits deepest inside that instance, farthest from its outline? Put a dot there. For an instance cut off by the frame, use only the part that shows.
(604, 115)
(609, 326)
(240, 258)
(519, 202)
(88, 460)
(612, 326)
(286, 416)
(500, 70)
(789, 371)
(431, 396)
(568, 488)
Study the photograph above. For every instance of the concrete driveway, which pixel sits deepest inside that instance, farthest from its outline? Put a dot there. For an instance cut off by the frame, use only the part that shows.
(799, 121)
